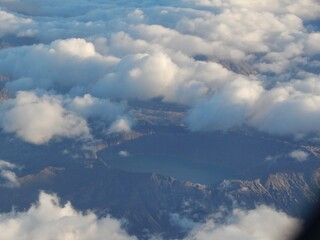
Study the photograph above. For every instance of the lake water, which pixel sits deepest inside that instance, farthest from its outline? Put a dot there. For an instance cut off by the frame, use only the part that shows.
(172, 166)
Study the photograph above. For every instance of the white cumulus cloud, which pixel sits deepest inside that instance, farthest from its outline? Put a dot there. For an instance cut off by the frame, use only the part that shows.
(37, 119)
(122, 125)
(88, 107)
(47, 219)
(299, 155)
(18, 26)
(229, 107)
(262, 223)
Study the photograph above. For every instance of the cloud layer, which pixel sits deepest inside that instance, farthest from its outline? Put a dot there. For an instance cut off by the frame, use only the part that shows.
(234, 63)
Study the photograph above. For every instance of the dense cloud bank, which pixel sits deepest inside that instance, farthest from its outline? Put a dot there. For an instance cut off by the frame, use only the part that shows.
(48, 219)
(234, 63)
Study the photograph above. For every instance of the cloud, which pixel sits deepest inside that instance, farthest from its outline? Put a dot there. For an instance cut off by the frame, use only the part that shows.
(236, 33)
(311, 45)
(37, 119)
(47, 7)
(90, 107)
(10, 178)
(47, 219)
(7, 176)
(123, 153)
(258, 66)
(272, 158)
(229, 107)
(6, 165)
(75, 47)
(141, 76)
(62, 66)
(171, 38)
(299, 155)
(285, 110)
(14, 25)
(291, 108)
(305, 9)
(121, 125)
(262, 223)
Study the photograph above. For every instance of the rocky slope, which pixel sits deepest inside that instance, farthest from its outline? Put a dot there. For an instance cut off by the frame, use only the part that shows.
(148, 201)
